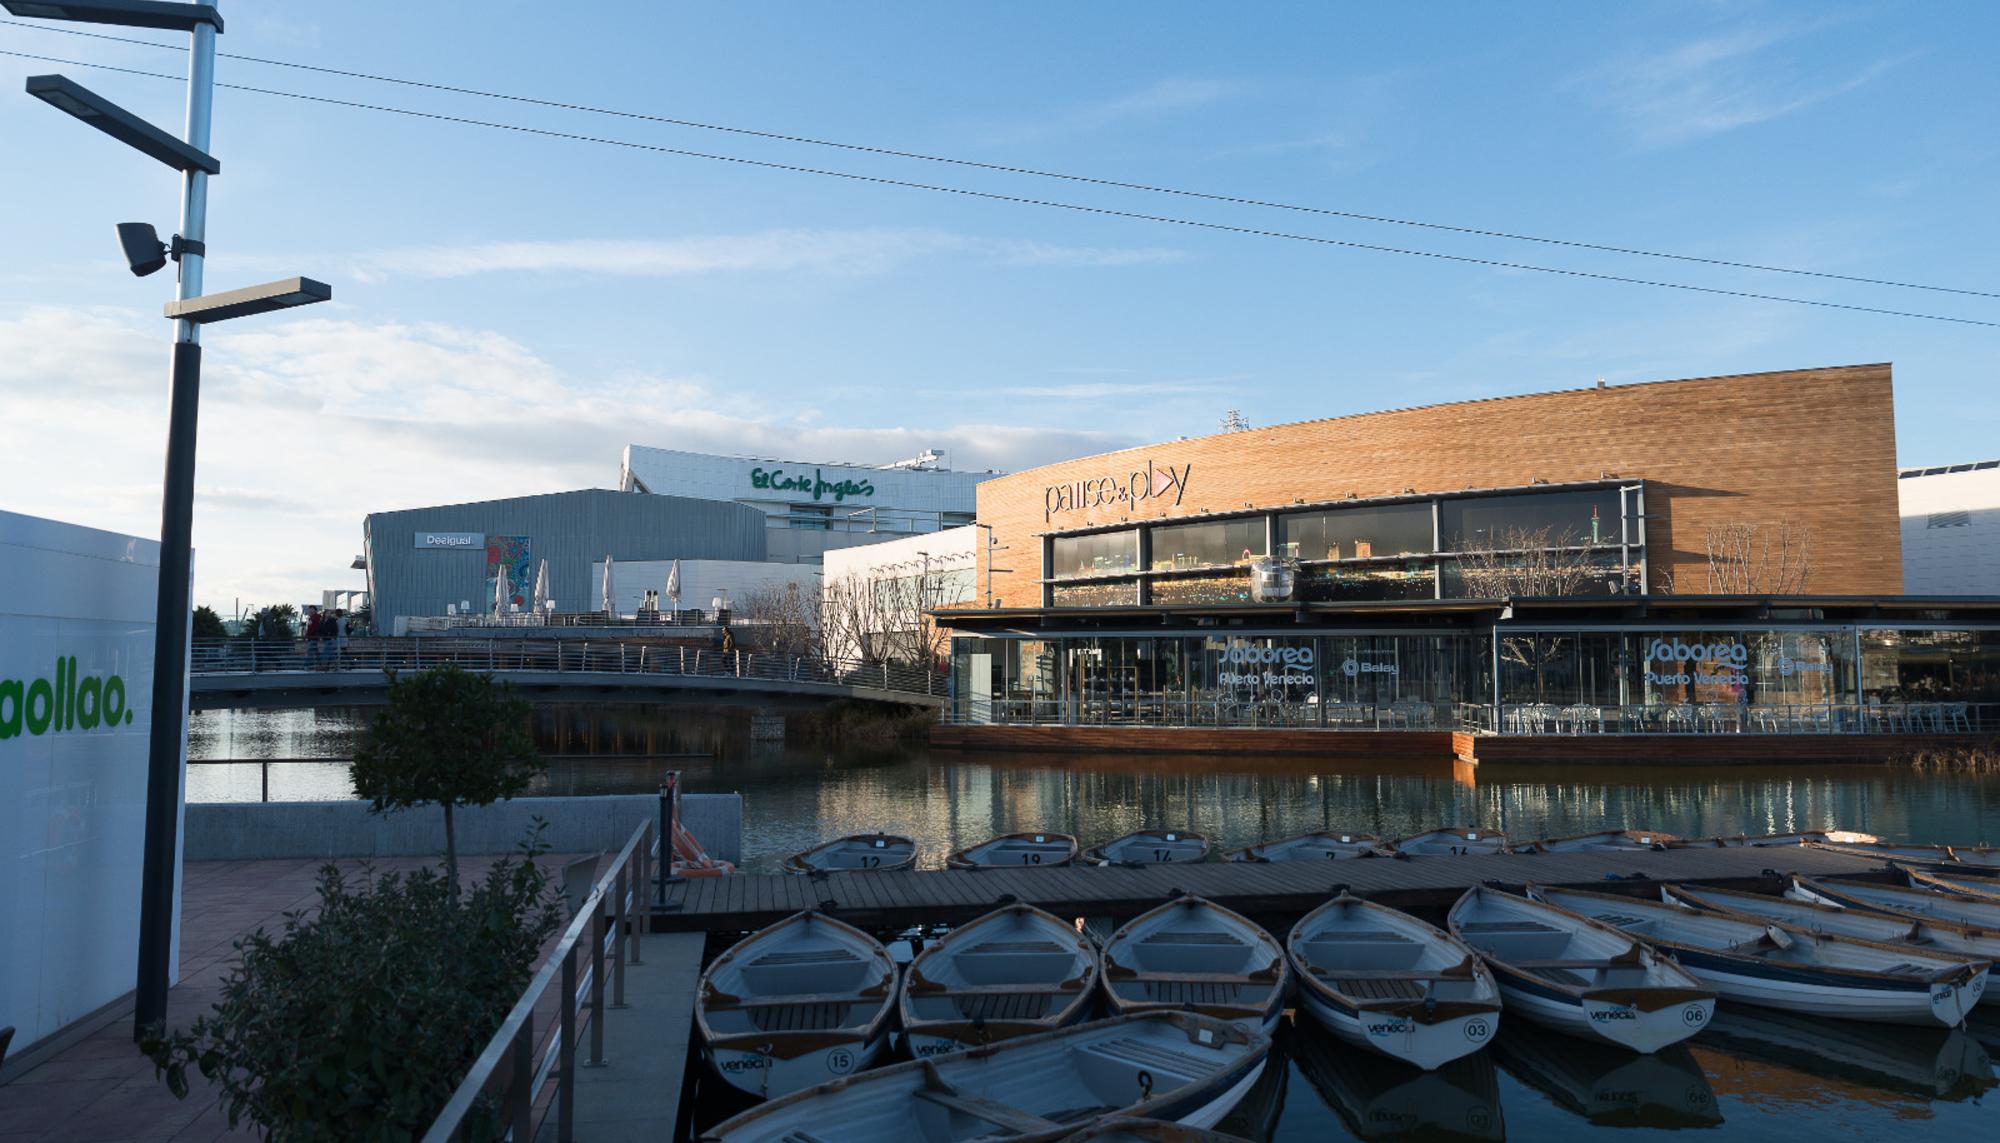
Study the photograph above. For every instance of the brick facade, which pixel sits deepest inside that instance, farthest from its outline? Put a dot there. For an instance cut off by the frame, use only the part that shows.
(1812, 447)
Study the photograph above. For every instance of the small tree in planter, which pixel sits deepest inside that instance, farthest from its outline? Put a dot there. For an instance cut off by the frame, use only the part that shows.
(448, 737)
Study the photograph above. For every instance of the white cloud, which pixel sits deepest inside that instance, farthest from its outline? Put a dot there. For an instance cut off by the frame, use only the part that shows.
(1715, 84)
(1169, 96)
(309, 424)
(771, 251)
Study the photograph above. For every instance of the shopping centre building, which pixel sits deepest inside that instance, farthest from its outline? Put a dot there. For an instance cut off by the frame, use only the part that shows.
(1716, 557)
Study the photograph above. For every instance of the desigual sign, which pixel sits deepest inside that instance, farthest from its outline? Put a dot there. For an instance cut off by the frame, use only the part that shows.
(451, 539)
(1148, 483)
(817, 485)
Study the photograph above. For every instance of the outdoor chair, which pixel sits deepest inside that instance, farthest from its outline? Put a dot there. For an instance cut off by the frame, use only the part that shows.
(1958, 717)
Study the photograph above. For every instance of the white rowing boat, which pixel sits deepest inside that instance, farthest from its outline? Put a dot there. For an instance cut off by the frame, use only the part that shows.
(1013, 972)
(1578, 975)
(1932, 1063)
(1754, 960)
(1191, 954)
(1016, 851)
(1452, 841)
(1150, 847)
(1827, 917)
(1380, 979)
(796, 1004)
(876, 852)
(1176, 1066)
(1320, 845)
(1945, 856)
(1985, 888)
(1120, 1129)
(1380, 1098)
(1909, 901)
(1770, 840)
(1602, 841)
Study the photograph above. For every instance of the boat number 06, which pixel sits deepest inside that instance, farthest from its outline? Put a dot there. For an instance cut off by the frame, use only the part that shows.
(840, 1061)
(1693, 1016)
(1477, 1029)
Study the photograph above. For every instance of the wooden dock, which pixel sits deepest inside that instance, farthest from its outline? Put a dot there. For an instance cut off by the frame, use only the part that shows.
(744, 902)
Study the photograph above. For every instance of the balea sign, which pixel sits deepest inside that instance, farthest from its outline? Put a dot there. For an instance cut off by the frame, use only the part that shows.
(1130, 488)
(65, 703)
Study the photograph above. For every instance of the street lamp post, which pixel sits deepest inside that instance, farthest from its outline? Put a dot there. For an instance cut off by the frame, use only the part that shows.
(190, 311)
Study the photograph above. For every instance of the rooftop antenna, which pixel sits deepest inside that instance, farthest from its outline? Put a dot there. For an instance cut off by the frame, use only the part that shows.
(1233, 422)
(924, 461)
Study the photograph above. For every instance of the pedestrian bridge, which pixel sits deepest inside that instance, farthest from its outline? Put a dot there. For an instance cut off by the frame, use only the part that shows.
(240, 674)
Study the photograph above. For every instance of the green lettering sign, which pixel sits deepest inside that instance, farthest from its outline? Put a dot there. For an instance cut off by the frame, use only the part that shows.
(62, 701)
(817, 485)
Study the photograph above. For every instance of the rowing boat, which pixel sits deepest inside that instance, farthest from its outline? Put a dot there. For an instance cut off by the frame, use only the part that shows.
(1826, 917)
(1769, 840)
(1380, 1098)
(1013, 972)
(794, 1004)
(1121, 1129)
(1150, 847)
(1380, 979)
(1602, 841)
(1192, 954)
(1016, 850)
(1578, 975)
(1754, 960)
(1176, 1066)
(865, 851)
(1452, 841)
(1909, 901)
(1983, 888)
(1933, 1063)
(1968, 859)
(1319, 845)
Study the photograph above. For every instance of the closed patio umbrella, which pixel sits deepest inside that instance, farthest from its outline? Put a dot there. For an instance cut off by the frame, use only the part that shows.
(542, 588)
(674, 584)
(608, 602)
(502, 592)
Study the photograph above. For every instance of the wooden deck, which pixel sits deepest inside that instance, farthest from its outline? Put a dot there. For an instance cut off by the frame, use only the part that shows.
(1373, 744)
(1708, 749)
(750, 901)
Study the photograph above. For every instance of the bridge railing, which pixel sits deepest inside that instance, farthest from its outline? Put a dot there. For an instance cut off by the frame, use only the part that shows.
(557, 655)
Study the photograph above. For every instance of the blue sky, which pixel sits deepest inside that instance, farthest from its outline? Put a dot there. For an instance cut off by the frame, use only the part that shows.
(512, 310)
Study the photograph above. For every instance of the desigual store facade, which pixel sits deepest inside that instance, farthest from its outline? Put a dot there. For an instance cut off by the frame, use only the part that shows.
(1710, 556)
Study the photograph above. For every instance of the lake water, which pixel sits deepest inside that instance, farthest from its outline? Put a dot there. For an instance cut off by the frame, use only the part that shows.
(1752, 1075)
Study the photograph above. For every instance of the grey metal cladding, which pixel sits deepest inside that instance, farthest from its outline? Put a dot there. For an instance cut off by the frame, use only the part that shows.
(568, 529)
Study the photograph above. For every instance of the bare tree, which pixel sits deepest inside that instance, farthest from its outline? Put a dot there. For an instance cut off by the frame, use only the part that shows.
(1521, 562)
(785, 619)
(1759, 559)
(885, 616)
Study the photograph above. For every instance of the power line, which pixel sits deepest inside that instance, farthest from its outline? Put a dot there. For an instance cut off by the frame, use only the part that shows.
(1020, 200)
(1150, 188)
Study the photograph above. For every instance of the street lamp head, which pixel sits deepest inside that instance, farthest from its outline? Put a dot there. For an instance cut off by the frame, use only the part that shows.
(144, 252)
(283, 294)
(128, 13)
(72, 98)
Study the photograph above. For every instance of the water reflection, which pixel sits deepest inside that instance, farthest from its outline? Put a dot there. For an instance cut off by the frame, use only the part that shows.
(1606, 1085)
(1863, 1059)
(1380, 1098)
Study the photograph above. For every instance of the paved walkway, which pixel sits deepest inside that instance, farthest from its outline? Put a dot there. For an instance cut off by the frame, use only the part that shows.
(100, 1089)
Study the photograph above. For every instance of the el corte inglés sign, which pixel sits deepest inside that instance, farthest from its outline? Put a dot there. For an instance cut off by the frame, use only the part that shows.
(817, 485)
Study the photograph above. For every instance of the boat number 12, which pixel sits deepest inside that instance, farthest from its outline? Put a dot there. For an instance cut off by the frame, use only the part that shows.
(870, 861)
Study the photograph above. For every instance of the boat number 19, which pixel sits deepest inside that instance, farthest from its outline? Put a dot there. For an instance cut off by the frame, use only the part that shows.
(1031, 859)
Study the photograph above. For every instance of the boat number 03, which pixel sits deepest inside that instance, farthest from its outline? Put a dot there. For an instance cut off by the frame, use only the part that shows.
(1477, 1029)
(840, 1061)
(1694, 1016)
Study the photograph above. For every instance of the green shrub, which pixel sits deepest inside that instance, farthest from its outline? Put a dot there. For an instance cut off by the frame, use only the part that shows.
(360, 1019)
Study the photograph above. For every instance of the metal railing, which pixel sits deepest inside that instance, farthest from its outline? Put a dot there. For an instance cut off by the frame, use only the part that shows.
(512, 1075)
(1917, 718)
(1218, 711)
(559, 655)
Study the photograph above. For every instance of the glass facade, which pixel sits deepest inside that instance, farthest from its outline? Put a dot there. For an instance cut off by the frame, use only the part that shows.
(1833, 678)
(1576, 543)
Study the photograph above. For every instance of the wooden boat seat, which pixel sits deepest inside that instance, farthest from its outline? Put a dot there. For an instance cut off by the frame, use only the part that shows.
(1013, 1119)
(801, 1017)
(1121, 976)
(1338, 974)
(1015, 947)
(1598, 962)
(1170, 1067)
(1358, 936)
(1185, 992)
(1007, 1005)
(721, 1004)
(1066, 988)
(1517, 926)
(1378, 987)
(1173, 937)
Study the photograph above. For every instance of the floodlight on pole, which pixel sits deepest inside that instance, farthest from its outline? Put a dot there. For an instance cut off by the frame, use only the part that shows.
(284, 294)
(127, 13)
(72, 98)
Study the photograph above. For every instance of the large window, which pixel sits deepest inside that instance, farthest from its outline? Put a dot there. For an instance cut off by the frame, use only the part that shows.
(1220, 543)
(1930, 666)
(1412, 580)
(1116, 594)
(1355, 533)
(1106, 553)
(1536, 519)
